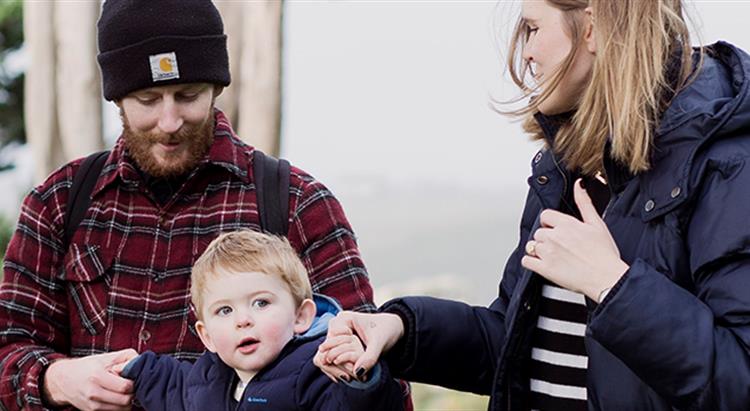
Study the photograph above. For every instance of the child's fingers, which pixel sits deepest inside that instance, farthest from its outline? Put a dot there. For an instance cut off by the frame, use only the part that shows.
(349, 357)
(117, 368)
(338, 373)
(331, 376)
(335, 352)
(327, 369)
(332, 342)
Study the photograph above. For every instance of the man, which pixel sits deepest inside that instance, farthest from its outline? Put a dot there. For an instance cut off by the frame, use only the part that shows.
(176, 178)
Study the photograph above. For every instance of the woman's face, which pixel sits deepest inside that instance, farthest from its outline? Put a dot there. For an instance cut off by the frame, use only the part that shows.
(547, 46)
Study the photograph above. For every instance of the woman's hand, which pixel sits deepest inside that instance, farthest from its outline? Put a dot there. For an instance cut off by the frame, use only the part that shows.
(578, 255)
(378, 332)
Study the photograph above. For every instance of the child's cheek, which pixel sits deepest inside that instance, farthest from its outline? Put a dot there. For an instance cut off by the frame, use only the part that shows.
(278, 333)
(274, 331)
(224, 346)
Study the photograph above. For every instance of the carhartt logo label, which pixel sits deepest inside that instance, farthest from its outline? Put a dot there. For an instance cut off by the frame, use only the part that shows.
(164, 66)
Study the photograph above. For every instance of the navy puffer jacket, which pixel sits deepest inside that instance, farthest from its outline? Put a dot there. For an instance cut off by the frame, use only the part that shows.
(674, 332)
(291, 382)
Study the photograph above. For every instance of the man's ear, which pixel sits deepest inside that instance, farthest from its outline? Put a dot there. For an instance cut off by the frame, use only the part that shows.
(589, 36)
(218, 90)
(305, 316)
(205, 337)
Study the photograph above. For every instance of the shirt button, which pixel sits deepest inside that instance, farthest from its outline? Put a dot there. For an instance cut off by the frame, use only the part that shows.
(145, 335)
(649, 205)
(538, 157)
(676, 192)
(542, 180)
(527, 306)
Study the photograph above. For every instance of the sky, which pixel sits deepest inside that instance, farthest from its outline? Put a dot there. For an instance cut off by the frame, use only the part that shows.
(411, 81)
(388, 103)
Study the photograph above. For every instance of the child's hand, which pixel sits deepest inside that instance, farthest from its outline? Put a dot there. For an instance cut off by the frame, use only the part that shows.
(341, 354)
(117, 367)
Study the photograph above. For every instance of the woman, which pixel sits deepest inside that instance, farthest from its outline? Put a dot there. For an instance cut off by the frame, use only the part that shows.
(632, 294)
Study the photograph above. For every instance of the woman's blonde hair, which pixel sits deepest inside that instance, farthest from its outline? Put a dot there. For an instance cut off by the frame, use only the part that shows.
(249, 251)
(643, 57)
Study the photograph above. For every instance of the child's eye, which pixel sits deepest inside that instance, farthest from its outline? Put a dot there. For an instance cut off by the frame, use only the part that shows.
(224, 311)
(260, 303)
(531, 30)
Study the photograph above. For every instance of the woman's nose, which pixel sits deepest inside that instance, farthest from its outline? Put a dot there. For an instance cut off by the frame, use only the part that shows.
(527, 51)
(526, 54)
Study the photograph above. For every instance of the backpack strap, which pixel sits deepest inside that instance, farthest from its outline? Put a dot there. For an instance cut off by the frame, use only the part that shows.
(272, 190)
(79, 196)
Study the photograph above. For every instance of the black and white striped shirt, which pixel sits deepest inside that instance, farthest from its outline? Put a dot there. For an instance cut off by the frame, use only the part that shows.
(558, 355)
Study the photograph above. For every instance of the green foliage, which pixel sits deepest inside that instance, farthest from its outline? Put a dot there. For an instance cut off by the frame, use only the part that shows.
(11, 83)
(6, 231)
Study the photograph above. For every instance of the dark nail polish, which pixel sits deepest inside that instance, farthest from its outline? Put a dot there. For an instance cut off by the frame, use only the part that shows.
(344, 378)
(583, 183)
(360, 372)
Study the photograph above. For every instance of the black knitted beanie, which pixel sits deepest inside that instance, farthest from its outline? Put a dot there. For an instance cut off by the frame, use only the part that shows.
(148, 43)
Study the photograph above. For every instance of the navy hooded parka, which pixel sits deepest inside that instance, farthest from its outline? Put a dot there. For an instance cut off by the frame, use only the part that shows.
(674, 332)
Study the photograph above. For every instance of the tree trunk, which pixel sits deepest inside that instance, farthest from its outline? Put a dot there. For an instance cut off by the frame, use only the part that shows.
(79, 92)
(63, 93)
(39, 105)
(253, 100)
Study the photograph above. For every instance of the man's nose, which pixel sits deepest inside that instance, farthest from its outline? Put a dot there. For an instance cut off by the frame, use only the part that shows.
(170, 118)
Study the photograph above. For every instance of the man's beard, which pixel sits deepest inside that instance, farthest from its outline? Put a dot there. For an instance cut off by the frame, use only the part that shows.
(139, 144)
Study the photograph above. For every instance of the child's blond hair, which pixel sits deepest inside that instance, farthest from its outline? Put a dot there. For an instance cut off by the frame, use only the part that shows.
(249, 251)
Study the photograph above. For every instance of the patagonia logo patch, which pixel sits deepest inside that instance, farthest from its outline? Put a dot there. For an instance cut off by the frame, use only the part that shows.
(257, 400)
(164, 66)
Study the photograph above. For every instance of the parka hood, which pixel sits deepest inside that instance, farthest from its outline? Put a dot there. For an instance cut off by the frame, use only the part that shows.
(713, 106)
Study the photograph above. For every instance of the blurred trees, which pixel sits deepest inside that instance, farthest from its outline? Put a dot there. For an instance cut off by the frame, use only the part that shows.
(11, 94)
(6, 232)
(11, 83)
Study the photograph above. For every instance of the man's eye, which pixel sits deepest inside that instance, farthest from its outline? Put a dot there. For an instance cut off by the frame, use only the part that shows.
(188, 96)
(146, 101)
(224, 311)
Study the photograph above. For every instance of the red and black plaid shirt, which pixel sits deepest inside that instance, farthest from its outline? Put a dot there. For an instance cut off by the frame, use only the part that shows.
(124, 280)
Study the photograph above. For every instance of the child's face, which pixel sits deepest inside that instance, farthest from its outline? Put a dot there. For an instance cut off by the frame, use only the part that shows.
(248, 318)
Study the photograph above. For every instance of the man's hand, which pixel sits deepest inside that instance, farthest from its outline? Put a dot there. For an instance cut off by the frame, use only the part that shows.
(88, 384)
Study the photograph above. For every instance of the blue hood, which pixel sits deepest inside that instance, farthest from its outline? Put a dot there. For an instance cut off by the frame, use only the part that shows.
(325, 309)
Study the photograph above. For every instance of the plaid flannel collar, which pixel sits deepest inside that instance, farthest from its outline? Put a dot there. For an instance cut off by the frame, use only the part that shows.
(226, 151)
